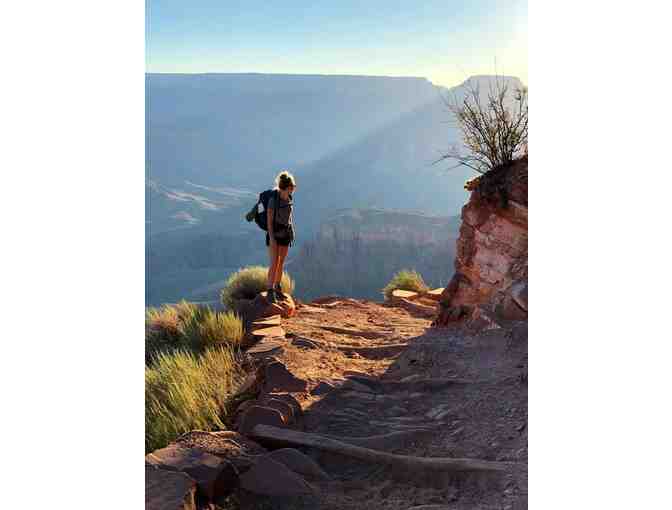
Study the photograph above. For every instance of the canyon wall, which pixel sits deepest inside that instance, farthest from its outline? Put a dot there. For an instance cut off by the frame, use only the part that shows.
(356, 252)
(491, 257)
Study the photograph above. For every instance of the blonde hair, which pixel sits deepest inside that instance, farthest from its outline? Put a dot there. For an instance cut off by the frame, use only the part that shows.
(284, 180)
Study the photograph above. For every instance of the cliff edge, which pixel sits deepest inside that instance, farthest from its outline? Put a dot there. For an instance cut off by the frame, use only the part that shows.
(491, 268)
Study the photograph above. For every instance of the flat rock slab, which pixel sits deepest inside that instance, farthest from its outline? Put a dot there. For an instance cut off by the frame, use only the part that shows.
(279, 378)
(214, 476)
(168, 490)
(268, 331)
(273, 320)
(266, 347)
(416, 308)
(404, 294)
(272, 478)
(434, 294)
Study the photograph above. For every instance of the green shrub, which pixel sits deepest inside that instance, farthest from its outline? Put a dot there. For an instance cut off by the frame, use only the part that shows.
(187, 326)
(405, 279)
(186, 391)
(249, 281)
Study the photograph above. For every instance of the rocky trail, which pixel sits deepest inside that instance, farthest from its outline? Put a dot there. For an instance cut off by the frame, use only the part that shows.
(351, 402)
(388, 404)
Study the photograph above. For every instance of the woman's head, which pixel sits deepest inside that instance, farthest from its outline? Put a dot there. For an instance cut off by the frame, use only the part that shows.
(285, 181)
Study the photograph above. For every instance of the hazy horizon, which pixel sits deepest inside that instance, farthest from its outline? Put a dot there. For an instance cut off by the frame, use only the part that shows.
(444, 43)
(336, 75)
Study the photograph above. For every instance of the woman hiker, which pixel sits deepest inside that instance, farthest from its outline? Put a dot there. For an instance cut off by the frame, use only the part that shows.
(280, 232)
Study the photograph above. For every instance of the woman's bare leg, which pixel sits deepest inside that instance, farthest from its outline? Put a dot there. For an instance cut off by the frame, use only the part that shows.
(281, 255)
(272, 264)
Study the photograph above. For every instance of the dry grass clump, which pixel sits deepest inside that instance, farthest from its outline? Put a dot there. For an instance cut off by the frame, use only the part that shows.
(186, 391)
(405, 279)
(187, 326)
(249, 281)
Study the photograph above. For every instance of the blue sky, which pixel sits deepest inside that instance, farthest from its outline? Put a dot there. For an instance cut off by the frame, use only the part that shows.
(444, 41)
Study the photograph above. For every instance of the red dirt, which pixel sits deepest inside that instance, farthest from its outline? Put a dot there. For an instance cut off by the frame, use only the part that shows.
(467, 390)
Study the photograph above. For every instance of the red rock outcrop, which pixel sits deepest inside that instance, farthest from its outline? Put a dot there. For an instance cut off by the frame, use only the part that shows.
(491, 258)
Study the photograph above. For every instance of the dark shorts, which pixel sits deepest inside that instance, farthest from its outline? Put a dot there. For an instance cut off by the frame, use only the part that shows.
(281, 242)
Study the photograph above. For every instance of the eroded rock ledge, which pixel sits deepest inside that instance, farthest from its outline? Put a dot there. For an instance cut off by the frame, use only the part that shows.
(491, 260)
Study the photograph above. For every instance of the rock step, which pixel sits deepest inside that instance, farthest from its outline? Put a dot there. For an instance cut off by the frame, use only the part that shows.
(266, 347)
(267, 331)
(274, 320)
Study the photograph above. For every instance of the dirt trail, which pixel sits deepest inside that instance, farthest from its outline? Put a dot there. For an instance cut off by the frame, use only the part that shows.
(444, 392)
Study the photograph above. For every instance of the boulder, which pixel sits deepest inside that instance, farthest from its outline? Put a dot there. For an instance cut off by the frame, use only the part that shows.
(168, 490)
(283, 307)
(287, 398)
(279, 378)
(230, 445)
(272, 478)
(215, 477)
(259, 310)
(299, 463)
(282, 407)
(257, 414)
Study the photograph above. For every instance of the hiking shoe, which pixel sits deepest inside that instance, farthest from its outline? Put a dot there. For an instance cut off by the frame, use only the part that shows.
(278, 291)
(271, 296)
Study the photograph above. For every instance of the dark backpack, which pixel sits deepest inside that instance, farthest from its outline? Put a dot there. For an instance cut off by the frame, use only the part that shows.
(260, 217)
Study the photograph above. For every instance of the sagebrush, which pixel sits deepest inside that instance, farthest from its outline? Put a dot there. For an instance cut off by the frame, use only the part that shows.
(494, 128)
(406, 279)
(248, 282)
(186, 391)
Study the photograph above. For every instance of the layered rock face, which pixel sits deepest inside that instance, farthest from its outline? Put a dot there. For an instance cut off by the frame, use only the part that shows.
(491, 259)
(357, 252)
